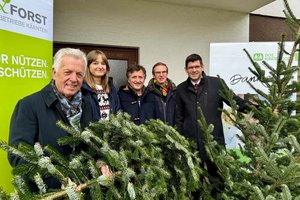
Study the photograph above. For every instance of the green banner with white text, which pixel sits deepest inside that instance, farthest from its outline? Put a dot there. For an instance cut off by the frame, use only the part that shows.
(26, 38)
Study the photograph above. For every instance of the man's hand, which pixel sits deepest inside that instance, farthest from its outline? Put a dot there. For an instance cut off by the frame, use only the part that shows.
(105, 170)
(74, 185)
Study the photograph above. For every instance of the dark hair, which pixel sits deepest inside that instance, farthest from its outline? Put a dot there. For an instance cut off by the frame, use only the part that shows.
(135, 68)
(159, 63)
(192, 58)
(91, 57)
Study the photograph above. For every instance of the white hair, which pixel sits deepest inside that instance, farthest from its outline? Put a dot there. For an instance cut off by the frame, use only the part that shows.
(77, 53)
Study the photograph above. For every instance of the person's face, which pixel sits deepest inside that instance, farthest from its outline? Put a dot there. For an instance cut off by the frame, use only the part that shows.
(98, 67)
(136, 79)
(69, 76)
(194, 70)
(160, 74)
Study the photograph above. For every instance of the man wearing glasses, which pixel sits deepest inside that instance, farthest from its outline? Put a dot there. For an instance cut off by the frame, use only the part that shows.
(165, 93)
(201, 91)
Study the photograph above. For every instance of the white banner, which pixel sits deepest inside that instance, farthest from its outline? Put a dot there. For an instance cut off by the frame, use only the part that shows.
(231, 63)
(28, 17)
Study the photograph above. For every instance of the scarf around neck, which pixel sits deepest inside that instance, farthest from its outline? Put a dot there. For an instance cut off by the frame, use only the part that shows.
(71, 108)
(162, 88)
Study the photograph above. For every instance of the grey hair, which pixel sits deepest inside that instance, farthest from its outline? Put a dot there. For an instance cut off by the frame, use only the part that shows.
(77, 53)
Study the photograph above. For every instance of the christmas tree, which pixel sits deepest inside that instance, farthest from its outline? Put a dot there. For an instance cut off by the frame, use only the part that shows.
(268, 166)
(151, 161)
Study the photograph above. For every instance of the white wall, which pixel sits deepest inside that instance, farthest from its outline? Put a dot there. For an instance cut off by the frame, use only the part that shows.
(276, 8)
(163, 32)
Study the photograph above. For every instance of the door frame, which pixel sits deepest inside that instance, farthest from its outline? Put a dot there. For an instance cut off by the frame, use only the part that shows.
(130, 54)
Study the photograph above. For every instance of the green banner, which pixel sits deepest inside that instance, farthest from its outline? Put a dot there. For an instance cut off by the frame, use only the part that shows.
(26, 29)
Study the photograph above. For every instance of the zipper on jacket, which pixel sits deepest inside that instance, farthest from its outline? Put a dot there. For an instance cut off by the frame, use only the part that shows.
(164, 110)
(205, 97)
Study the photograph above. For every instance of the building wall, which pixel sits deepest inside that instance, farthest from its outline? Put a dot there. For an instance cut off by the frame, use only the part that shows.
(268, 23)
(163, 32)
(276, 8)
(267, 28)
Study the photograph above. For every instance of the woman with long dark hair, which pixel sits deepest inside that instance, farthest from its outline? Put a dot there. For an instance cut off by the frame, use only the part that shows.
(99, 87)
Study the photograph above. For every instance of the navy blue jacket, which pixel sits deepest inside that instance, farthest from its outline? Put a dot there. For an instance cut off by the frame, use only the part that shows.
(34, 120)
(114, 101)
(140, 108)
(166, 106)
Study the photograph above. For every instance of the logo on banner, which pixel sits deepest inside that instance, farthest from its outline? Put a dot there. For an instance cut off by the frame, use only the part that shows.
(23, 13)
(3, 5)
(271, 57)
(19, 16)
(258, 56)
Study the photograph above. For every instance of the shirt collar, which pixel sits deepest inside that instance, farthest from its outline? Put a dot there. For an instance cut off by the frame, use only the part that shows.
(197, 81)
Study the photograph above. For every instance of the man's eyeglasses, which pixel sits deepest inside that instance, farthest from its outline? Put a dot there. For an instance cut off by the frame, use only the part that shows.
(193, 67)
(162, 72)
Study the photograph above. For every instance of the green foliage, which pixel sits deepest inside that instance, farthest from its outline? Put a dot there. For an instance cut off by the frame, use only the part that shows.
(3, 195)
(270, 133)
(151, 161)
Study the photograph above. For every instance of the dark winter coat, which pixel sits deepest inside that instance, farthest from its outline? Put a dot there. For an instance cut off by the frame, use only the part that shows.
(34, 120)
(166, 106)
(140, 108)
(210, 102)
(114, 101)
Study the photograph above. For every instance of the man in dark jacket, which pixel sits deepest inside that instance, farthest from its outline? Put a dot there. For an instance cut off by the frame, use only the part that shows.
(201, 91)
(35, 116)
(135, 98)
(165, 93)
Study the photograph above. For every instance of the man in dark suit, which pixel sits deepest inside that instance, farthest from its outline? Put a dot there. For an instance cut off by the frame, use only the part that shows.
(201, 91)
